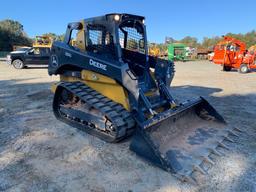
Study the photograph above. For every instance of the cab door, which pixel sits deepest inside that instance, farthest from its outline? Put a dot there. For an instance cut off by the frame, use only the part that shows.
(33, 57)
(45, 55)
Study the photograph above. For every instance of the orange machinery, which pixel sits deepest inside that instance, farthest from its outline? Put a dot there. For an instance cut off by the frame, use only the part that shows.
(252, 48)
(232, 53)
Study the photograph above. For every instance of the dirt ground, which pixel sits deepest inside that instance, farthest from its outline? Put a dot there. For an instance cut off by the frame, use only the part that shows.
(39, 153)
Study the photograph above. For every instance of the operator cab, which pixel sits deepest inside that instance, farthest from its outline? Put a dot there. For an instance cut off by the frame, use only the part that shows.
(132, 41)
(118, 37)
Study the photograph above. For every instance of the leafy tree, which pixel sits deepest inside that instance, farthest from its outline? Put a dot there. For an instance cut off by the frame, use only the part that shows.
(13, 27)
(162, 47)
(249, 38)
(210, 42)
(169, 40)
(55, 37)
(190, 41)
(12, 33)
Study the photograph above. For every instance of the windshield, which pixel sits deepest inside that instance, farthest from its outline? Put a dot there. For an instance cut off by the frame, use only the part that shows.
(23, 49)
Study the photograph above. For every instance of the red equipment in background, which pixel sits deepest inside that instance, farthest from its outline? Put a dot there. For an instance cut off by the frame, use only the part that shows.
(232, 53)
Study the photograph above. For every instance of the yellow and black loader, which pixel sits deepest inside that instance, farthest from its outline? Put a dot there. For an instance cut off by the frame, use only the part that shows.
(111, 88)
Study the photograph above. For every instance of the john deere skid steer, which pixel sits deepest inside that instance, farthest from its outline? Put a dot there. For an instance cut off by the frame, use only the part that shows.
(111, 88)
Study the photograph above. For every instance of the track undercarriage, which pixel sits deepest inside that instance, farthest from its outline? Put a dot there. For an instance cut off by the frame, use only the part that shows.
(78, 105)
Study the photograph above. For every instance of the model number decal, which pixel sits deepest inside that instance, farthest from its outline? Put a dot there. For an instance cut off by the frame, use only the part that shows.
(68, 54)
(98, 65)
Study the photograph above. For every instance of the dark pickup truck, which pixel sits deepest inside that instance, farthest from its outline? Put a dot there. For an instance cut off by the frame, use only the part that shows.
(29, 56)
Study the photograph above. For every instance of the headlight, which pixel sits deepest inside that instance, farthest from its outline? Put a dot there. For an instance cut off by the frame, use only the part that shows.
(143, 21)
(8, 57)
(116, 17)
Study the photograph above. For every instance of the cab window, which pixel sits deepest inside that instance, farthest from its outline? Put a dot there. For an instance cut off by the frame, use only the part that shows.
(77, 40)
(45, 51)
(99, 40)
(36, 51)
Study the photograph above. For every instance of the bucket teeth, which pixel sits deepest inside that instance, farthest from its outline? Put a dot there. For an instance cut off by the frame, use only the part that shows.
(223, 145)
(199, 169)
(229, 139)
(208, 160)
(237, 129)
(189, 179)
(214, 151)
(232, 133)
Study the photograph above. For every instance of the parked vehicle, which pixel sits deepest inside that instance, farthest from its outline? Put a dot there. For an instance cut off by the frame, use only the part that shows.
(231, 53)
(202, 53)
(19, 47)
(28, 56)
(177, 52)
(210, 56)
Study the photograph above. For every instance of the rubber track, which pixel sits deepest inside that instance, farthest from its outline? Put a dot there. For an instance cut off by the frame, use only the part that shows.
(122, 120)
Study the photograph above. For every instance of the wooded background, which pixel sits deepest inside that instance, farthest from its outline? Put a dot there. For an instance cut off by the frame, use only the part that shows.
(13, 33)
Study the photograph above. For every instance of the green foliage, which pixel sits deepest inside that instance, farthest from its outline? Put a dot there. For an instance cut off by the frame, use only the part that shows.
(55, 37)
(12, 33)
(249, 38)
(210, 42)
(190, 41)
(13, 27)
(162, 46)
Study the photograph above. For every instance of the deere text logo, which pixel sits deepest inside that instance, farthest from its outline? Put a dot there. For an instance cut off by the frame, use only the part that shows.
(98, 65)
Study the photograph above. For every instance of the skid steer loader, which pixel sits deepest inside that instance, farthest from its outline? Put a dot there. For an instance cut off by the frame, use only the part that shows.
(111, 88)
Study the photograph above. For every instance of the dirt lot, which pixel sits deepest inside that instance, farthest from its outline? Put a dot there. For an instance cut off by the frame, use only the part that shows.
(39, 153)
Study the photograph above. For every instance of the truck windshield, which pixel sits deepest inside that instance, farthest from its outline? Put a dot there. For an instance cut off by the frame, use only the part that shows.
(23, 49)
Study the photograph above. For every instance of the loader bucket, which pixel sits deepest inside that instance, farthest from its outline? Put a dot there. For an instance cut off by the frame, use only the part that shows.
(180, 140)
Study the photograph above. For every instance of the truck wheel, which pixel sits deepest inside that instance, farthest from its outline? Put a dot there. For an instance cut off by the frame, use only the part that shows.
(18, 64)
(226, 68)
(244, 68)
